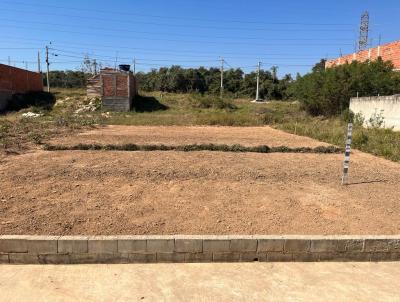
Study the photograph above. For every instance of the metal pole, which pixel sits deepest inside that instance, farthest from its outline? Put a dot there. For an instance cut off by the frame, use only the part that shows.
(222, 77)
(258, 81)
(38, 62)
(48, 71)
(134, 66)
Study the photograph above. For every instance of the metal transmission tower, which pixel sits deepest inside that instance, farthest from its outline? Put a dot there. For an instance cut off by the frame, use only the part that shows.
(364, 29)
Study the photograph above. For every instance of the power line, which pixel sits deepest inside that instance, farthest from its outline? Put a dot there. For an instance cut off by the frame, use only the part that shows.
(174, 34)
(180, 41)
(181, 25)
(91, 10)
(147, 50)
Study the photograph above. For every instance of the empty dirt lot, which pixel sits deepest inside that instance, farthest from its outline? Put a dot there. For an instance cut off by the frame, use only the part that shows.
(108, 192)
(177, 135)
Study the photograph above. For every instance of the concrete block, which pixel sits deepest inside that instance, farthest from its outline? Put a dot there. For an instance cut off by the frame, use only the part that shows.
(394, 245)
(356, 245)
(243, 245)
(279, 257)
(54, 259)
(73, 244)
(270, 245)
(253, 256)
(189, 245)
(297, 245)
(382, 256)
(142, 258)
(160, 245)
(4, 259)
(23, 258)
(226, 257)
(211, 245)
(42, 244)
(324, 245)
(104, 245)
(345, 256)
(376, 245)
(106, 258)
(198, 257)
(305, 257)
(12, 245)
(171, 257)
(131, 245)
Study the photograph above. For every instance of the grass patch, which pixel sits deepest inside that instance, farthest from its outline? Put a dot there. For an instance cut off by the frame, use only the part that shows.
(194, 147)
(163, 109)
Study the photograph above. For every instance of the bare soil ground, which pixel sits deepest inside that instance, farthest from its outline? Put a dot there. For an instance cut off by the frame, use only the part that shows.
(105, 192)
(178, 135)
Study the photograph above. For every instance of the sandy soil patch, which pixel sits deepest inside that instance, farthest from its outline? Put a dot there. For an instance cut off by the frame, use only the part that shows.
(178, 135)
(104, 192)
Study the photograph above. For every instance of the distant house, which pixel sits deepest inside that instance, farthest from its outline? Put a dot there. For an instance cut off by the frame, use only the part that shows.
(116, 88)
(16, 80)
(388, 52)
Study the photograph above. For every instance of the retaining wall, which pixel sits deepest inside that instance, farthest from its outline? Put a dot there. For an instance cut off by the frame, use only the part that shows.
(182, 248)
(389, 106)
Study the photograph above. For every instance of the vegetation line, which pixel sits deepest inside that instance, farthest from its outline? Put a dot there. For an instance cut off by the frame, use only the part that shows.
(194, 147)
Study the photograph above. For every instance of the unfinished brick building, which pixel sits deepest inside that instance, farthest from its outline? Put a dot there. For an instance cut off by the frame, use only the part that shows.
(116, 88)
(388, 52)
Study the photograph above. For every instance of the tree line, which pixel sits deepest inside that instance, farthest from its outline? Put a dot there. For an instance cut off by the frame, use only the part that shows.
(208, 80)
(321, 91)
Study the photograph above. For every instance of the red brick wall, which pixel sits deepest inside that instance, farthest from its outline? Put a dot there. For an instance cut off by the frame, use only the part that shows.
(19, 80)
(116, 84)
(388, 52)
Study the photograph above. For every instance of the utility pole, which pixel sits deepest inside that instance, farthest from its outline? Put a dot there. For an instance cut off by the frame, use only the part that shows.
(38, 62)
(258, 82)
(222, 77)
(134, 66)
(9, 61)
(95, 66)
(48, 71)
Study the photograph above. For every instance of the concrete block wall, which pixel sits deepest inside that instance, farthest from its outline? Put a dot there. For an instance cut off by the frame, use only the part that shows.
(182, 248)
(388, 52)
(389, 106)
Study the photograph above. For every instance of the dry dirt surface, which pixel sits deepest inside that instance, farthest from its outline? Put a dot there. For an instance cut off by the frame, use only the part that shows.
(108, 192)
(177, 135)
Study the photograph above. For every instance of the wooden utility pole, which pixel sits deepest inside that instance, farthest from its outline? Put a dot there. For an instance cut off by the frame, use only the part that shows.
(48, 71)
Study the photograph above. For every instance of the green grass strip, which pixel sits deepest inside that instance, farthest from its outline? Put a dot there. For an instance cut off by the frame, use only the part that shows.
(195, 147)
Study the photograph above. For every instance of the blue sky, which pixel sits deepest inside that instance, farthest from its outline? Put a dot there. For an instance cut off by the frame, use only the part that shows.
(292, 35)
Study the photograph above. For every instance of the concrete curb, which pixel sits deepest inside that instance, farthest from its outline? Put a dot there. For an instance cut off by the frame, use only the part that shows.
(195, 248)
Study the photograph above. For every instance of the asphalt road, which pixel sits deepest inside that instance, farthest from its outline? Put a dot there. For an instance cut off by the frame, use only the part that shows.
(202, 282)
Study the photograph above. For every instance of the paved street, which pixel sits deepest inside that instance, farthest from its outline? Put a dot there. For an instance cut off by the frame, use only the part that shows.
(202, 282)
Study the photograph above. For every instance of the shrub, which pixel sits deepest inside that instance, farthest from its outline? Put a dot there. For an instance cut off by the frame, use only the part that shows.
(328, 92)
